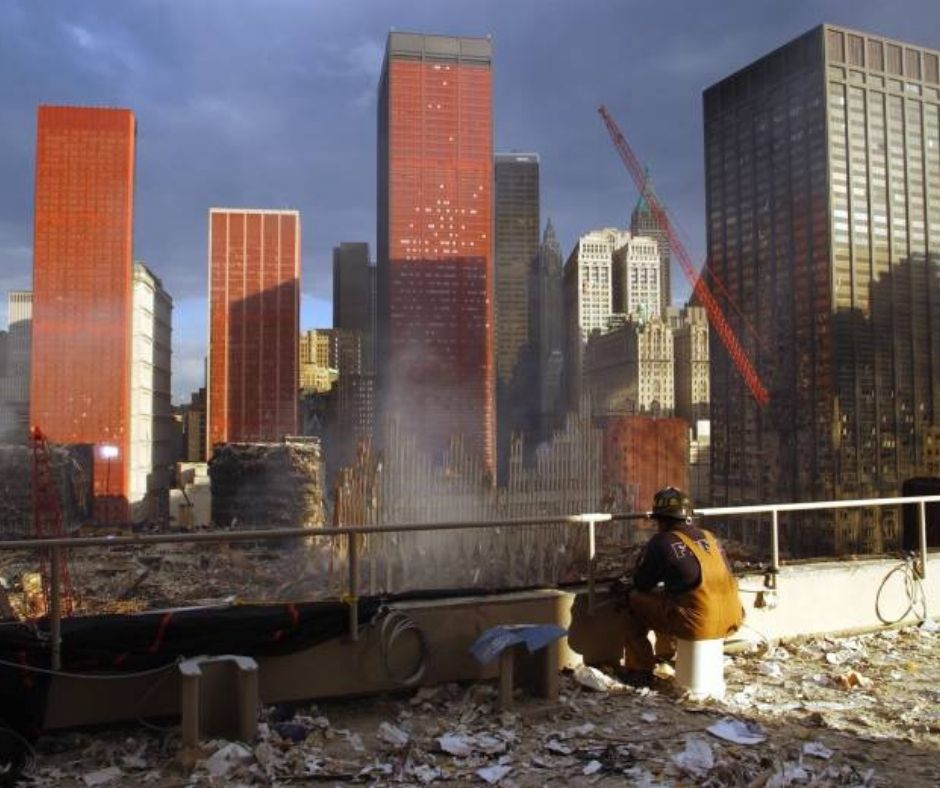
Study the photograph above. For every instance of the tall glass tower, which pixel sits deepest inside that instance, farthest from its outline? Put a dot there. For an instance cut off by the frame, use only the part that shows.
(823, 211)
(434, 301)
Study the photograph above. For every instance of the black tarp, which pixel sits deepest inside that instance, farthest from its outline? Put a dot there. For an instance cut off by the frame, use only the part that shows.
(143, 641)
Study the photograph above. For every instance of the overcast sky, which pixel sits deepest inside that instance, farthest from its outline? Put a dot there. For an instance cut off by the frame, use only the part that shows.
(272, 104)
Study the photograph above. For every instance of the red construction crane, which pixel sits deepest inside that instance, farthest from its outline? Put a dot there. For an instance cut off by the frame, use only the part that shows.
(47, 523)
(700, 288)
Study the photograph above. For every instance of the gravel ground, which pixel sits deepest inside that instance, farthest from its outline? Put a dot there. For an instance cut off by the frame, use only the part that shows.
(824, 711)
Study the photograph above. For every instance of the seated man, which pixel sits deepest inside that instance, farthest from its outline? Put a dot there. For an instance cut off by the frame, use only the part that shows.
(699, 598)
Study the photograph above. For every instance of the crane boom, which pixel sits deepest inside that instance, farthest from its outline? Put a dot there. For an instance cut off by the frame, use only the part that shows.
(700, 288)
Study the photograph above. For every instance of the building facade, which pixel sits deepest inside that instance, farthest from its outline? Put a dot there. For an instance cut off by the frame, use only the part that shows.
(630, 370)
(435, 262)
(642, 454)
(82, 283)
(587, 286)
(635, 272)
(152, 449)
(354, 295)
(823, 196)
(14, 379)
(326, 354)
(254, 313)
(547, 333)
(643, 222)
(690, 347)
(516, 243)
(194, 427)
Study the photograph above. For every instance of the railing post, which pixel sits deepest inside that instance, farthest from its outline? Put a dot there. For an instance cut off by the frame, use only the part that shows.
(922, 537)
(55, 614)
(774, 548)
(592, 553)
(353, 595)
(591, 520)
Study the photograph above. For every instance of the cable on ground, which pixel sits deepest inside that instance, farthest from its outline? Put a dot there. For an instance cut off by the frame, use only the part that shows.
(913, 588)
(94, 676)
(395, 624)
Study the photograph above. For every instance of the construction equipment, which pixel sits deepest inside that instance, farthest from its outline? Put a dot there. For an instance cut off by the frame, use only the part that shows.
(47, 524)
(701, 290)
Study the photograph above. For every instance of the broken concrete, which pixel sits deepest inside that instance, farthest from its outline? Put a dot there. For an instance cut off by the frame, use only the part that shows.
(803, 729)
(267, 485)
(71, 471)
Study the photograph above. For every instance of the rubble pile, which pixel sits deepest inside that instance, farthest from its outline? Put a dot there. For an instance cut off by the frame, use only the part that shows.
(800, 723)
(267, 485)
(16, 489)
(132, 579)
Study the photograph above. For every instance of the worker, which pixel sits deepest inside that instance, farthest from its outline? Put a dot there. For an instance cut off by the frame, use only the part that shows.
(698, 599)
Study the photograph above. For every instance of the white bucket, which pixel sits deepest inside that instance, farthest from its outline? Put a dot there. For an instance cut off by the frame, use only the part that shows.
(700, 666)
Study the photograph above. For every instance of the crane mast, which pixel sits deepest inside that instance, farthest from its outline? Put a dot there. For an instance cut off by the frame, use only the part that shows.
(702, 292)
(47, 523)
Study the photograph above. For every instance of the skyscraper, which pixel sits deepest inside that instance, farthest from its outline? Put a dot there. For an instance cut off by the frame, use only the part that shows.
(435, 279)
(81, 349)
(547, 331)
(643, 222)
(823, 205)
(588, 298)
(151, 433)
(516, 244)
(254, 313)
(690, 341)
(635, 276)
(354, 294)
(14, 379)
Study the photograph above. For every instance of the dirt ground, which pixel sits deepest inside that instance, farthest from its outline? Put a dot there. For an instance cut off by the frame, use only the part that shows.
(824, 711)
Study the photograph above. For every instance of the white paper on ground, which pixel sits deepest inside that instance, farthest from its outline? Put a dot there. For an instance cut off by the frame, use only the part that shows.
(392, 735)
(737, 731)
(493, 774)
(696, 759)
(817, 749)
(593, 767)
(102, 776)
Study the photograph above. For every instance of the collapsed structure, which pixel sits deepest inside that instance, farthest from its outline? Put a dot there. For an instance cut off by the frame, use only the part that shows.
(70, 468)
(267, 485)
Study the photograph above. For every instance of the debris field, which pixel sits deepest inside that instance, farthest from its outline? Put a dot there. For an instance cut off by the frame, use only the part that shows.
(823, 711)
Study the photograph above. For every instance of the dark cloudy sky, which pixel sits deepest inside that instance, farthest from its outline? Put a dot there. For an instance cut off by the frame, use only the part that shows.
(272, 103)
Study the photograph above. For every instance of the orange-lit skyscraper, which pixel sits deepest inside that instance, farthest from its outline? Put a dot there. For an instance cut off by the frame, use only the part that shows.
(82, 280)
(254, 331)
(435, 279)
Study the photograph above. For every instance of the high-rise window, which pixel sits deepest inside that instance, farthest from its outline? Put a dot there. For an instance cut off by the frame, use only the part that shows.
(254, 312)
(435, 278)
(82, 279)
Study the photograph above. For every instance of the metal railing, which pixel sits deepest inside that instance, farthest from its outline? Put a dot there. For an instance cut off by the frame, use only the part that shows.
(353, 533)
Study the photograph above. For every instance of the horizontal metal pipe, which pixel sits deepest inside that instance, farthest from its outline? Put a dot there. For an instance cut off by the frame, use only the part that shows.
(797, 507)
(306, 533)
(276, 533)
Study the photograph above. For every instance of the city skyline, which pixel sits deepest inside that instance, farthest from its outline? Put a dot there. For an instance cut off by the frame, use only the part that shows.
(192, 122)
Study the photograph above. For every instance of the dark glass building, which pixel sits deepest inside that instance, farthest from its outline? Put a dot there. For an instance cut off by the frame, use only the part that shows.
(823, 200)
(547, 332)
(435, 265)
(354, 294)
(516, 245)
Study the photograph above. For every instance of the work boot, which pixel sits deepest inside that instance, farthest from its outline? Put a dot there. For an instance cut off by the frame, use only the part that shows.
(635, 678)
